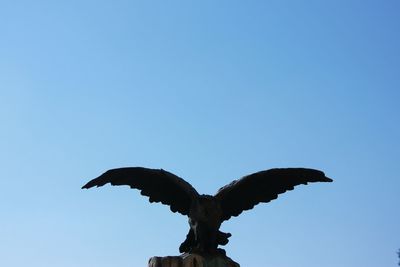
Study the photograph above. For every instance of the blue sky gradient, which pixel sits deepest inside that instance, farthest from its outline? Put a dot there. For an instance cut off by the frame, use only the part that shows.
(211, 91)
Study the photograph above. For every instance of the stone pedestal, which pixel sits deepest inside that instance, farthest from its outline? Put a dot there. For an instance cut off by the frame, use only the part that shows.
(192, 260)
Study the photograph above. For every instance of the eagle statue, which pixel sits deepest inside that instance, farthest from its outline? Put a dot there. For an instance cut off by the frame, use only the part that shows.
(206, 212)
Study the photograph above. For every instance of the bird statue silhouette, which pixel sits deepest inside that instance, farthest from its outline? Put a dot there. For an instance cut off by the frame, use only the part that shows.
(206, 213)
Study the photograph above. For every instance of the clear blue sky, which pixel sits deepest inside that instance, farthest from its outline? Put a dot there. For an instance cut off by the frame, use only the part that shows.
(210, 90)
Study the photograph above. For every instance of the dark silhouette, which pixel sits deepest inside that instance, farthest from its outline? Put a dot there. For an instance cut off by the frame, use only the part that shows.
(206, 213)
(398, 253)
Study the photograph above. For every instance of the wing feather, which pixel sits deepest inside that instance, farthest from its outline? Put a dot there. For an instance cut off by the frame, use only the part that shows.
(264, 186)
(158, 184)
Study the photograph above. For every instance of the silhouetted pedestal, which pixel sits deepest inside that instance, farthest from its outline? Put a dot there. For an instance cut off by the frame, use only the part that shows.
(192, 260)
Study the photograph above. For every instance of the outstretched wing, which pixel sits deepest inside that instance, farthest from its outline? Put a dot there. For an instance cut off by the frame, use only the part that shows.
(159, 185)
(264, 186)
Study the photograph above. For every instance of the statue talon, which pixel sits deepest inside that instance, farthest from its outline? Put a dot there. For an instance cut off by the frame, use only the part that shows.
(222, 238)
(221, 251)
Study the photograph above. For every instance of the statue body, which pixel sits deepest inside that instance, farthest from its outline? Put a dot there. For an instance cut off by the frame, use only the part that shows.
(205, 219)
(206, 213)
